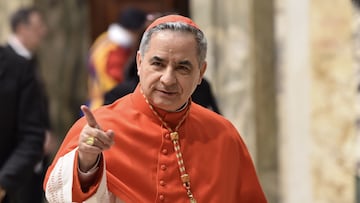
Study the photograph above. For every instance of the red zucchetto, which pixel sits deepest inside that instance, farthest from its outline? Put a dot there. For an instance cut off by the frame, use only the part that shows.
(172, 18)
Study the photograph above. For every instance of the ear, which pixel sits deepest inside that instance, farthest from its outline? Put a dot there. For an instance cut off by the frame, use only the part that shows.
(202, 71)
(138, 62)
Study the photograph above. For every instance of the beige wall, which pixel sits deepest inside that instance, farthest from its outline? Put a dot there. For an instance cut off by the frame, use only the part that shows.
(294, 83)
(333, 99)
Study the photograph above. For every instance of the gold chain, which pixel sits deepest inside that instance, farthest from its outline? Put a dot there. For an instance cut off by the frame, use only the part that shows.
(174, 135)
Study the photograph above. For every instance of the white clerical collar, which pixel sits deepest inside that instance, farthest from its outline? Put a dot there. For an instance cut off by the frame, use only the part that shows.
(19, 48)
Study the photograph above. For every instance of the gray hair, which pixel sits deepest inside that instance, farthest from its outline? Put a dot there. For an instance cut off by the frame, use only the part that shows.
(180, 27)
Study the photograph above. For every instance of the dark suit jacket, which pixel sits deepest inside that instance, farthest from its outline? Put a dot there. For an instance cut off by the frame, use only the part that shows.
(21, 121)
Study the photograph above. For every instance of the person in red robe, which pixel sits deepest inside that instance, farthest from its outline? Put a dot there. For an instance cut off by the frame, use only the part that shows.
(155, 144)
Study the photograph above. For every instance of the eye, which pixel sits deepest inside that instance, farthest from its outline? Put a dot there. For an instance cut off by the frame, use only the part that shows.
(156, 63)
(183, 69)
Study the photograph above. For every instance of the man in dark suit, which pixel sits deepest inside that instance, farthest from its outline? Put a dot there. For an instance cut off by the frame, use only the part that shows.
(23, 113)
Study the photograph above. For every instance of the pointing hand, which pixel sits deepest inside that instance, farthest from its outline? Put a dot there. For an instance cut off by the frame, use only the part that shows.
(93, 140)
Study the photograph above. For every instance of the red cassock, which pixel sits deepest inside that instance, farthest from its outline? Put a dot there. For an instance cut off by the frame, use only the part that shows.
(142, 165)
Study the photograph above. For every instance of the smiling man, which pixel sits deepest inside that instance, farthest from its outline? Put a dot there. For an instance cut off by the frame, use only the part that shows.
(169, 74)
(156, 145)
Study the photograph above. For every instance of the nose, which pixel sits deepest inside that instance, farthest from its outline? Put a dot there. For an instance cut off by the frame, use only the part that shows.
(168, 77)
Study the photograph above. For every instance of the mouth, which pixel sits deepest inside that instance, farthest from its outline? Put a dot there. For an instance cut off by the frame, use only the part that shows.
(169, 93)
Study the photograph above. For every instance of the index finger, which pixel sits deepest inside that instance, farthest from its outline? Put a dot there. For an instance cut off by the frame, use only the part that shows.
(90, 118)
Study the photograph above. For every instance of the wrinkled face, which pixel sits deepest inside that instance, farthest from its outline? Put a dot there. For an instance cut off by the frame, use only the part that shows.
(33, 33)
(169, 70)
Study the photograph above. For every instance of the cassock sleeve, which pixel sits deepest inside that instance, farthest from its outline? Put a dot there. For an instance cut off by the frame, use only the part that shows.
(78, 194)
(65, 164)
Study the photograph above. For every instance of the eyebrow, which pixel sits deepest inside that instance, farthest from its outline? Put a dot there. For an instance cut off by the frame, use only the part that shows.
(156, 58)
(184, 62)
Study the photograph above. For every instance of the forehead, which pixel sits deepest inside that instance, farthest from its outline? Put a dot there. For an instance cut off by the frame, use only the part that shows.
(173, 41)
(35, 17)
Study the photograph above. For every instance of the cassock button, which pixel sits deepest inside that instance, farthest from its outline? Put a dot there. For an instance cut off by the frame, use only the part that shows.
(162, 183)
(164, 151)
(163, 167)
(162, 197)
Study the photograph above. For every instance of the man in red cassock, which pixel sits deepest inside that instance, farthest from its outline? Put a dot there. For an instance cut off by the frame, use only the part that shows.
(156, 145)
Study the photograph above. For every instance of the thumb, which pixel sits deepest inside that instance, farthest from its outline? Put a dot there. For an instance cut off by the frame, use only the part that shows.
(90, 118)
(110, 133)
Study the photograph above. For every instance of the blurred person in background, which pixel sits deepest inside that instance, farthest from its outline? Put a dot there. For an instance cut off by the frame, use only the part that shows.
(25, 124)
(111, 52)
(130, 77)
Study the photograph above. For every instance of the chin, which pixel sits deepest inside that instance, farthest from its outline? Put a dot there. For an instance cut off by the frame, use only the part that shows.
(166, 107)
